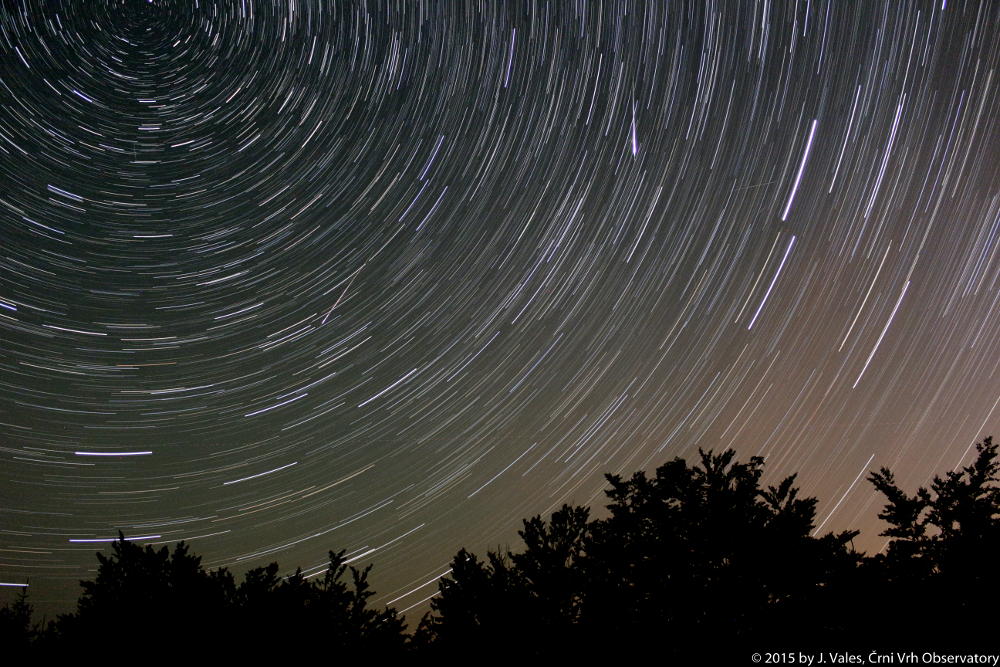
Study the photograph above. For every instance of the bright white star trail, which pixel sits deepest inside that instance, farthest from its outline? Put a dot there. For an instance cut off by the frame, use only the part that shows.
(278, 278)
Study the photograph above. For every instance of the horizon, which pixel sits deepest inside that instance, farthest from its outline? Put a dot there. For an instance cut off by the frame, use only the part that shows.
(277, 280)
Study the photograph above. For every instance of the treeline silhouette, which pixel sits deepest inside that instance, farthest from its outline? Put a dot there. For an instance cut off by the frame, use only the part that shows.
(697, 555)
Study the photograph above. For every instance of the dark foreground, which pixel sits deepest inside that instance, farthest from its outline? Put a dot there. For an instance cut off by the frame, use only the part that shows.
(696, 561)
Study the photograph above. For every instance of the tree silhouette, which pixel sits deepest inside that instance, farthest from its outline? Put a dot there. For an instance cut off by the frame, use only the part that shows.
(17, 631)
(477, 606)
(143, 599)
(552, 566)
(267, 604)
(703, 550)
(940, 540)
(695, 553)
(340, 612)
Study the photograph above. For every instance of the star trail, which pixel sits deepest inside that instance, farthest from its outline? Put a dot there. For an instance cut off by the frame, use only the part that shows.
(284, 277)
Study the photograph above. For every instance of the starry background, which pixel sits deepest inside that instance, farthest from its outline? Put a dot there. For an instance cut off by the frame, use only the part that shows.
(284, 277)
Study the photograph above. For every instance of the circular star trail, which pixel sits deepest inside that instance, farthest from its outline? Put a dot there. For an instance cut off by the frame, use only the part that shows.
(284, 277)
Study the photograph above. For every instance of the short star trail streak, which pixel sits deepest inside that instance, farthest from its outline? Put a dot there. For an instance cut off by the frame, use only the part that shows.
(278, 278)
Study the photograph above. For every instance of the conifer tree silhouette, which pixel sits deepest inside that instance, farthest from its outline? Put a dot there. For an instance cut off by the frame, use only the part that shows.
(18, 632)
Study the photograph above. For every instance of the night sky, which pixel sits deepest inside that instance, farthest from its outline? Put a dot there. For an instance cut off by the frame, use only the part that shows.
(284, 277)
